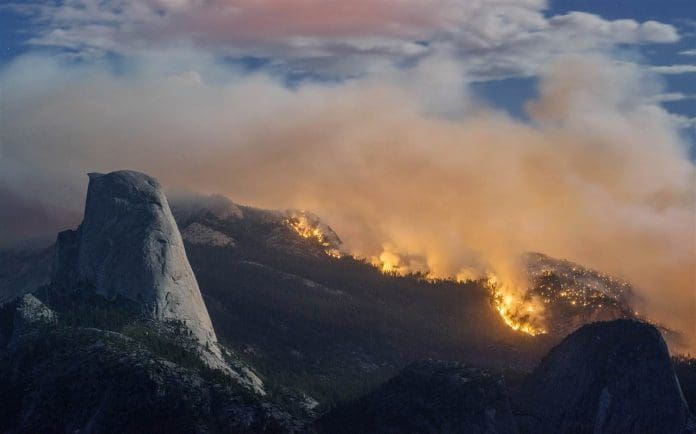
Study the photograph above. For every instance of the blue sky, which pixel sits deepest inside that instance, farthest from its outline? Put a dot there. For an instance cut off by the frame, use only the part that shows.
(679, 13)
(513, 92)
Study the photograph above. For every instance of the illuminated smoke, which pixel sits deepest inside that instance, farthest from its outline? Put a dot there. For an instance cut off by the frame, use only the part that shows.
(599, 176)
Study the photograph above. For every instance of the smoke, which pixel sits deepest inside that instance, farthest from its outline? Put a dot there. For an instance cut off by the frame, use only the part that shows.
(599, 175)
(28, 223)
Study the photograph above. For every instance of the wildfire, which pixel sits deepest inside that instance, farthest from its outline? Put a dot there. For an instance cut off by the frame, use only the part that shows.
(393, 261)
(388, 262)
(305, 228)
(516, 311)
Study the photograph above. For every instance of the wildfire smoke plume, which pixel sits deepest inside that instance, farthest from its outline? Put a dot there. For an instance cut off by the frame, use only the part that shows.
(598, 174)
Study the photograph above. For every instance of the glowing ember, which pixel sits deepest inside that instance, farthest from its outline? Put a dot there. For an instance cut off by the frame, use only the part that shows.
(518, 312)
(312, 230)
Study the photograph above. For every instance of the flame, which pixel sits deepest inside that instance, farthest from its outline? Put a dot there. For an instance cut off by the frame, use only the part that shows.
(395, 261)
(306, 229)
(518, 312)
(467, 274)
(389, 262)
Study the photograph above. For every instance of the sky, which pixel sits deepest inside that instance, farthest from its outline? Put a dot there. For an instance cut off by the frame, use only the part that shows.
(449, 135)
(57, 28)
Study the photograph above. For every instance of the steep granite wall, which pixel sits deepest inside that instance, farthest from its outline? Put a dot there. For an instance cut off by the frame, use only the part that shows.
(129, 245)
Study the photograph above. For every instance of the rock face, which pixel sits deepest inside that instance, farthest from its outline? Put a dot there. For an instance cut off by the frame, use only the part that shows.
(128, 245)
(30, 311)
(606, 377)
(428, 397)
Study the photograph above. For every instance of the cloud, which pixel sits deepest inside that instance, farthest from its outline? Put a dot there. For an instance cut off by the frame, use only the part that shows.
(684, 122)
(618, 31)
(25, 221)
(688, 53)
(671, 96)
(600, 175)
(674, 69)
(493, 38)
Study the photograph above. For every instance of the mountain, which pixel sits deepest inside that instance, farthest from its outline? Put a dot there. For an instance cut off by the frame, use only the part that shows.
(573, 295)
(120, 338)
(428, 397)
(606, 377)
(128, 245)
(288, 232)
(218, 317)
(326, 325)
(56, 377)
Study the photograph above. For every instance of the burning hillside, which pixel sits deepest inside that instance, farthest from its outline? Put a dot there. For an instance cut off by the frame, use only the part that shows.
(556, 297)
(575, 295)
(310, 226)
(519, 312)
(548, 296)
(561, 297)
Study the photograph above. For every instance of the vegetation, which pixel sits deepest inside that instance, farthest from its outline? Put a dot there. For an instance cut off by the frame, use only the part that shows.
(73, 376)
(685, 367)
(81, 307)
(6, 321)
(334, 328)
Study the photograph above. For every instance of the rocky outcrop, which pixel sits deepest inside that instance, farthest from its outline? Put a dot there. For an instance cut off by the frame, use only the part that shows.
(29, 312)
(610, 377)
(128, 245)
(428, 397)
(200, 234)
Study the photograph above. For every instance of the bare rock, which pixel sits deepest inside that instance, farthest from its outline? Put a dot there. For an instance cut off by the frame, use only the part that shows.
(30, 311)
(128, 245)
(200, 234)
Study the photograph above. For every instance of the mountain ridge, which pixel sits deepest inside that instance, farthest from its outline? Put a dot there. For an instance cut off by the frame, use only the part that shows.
(314, 330)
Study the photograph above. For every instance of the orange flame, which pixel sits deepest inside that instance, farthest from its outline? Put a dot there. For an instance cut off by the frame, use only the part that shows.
(518, 312)
(304, 228)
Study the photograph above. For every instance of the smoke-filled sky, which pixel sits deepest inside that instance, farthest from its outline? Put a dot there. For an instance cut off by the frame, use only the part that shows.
(459, 132)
